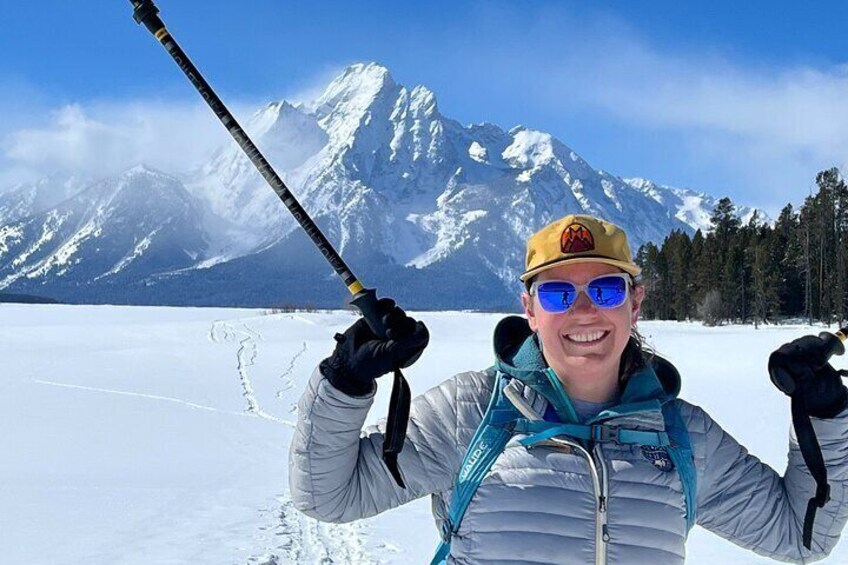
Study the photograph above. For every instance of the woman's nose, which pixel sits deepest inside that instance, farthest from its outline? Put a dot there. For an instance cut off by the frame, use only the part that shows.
(582, 304)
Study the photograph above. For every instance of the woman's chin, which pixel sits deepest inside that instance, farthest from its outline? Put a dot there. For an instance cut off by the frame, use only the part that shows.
(589, 367)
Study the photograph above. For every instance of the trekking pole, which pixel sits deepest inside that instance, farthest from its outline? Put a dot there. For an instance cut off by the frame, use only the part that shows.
(808, 443)
(364, 299)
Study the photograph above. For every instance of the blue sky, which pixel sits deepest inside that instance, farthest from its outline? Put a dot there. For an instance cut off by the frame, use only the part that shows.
(727, 97)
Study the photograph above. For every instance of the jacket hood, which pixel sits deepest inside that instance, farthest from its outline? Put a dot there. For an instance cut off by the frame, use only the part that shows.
(518, 354)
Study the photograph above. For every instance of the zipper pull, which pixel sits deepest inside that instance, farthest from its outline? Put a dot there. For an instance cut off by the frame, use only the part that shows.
(605, 535)
(602, 504)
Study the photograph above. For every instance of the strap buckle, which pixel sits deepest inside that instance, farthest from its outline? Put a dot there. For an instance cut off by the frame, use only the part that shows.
(605, 434)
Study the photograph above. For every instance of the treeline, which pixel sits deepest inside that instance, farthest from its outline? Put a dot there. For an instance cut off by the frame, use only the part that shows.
(755, 273)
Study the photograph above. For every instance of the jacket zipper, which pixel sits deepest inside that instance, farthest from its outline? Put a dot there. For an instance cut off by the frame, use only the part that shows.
(603, 502)
(600, 484)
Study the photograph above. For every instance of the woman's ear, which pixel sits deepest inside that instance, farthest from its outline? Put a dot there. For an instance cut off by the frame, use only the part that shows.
(638, 297)
(527, 302)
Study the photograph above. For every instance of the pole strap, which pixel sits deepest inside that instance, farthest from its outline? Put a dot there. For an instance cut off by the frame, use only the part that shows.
(813, 458)
(396, 425)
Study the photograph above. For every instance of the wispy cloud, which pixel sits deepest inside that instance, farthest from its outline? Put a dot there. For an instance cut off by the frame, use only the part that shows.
(104, 138)
(100, 138)
(800, 110)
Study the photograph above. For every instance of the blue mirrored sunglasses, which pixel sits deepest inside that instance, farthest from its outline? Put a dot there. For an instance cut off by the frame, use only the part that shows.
(605, 291)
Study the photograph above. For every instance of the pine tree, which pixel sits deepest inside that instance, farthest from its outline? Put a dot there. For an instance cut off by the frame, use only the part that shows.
(806, 226)
(841, 242)
(728, 255)
(828, 182)
(697, 286)
(765, 279)
(677, 251)
(647, 258)
(788, 243)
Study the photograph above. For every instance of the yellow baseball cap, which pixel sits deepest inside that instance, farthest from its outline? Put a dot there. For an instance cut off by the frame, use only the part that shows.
(578, 238)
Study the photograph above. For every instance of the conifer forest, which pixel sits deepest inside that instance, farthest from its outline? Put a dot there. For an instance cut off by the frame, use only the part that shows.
(755, 273)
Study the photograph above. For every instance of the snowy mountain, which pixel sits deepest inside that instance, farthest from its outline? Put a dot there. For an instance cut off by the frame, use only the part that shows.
(691, 207)
(26, 199)
(428, 210)
(115, 232)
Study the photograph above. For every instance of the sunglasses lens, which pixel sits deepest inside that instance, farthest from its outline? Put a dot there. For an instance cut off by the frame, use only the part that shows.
(608, 292)
(556, 296)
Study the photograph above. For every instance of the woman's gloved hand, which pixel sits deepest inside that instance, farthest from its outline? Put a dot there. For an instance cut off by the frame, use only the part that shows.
(801, 367)
(360, 357)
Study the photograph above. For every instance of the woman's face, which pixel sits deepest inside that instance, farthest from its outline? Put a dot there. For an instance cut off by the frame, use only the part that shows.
(585, 365)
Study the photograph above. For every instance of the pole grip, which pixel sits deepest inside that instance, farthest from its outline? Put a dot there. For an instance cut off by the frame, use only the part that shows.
(366, 302)
(834, 344)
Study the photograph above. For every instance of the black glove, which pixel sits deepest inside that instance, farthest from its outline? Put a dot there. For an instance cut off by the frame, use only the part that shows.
(360, 357)
(801, 367)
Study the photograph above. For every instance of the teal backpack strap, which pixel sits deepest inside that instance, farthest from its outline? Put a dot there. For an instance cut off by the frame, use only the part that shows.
(488, 443)
(541, 430)
(681, 454)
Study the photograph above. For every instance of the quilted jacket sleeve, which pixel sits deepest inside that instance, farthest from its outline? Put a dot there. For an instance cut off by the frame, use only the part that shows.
(336, 471)
(749, 503)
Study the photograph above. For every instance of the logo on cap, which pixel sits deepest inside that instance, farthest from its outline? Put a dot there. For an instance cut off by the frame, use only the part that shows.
(577, 238)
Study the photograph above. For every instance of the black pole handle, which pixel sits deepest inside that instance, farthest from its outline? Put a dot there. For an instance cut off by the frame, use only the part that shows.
(366, 302)
(834, 342)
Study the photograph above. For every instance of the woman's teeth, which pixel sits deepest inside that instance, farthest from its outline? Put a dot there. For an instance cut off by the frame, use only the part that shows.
(586, 337)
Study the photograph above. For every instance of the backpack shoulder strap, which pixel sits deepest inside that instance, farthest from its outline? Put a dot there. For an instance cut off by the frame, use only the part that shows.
(486, 445)
(683, 457)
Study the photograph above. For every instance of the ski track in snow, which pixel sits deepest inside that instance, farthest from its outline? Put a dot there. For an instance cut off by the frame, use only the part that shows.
(291, 537)
(286, 535)
(288, 380)
(246, 355)
(138, 395)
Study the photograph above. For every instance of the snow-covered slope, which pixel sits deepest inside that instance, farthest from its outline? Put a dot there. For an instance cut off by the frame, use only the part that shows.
(134, 436)
(414, 200)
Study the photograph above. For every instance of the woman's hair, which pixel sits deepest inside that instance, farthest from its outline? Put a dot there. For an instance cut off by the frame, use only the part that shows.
(637, 353)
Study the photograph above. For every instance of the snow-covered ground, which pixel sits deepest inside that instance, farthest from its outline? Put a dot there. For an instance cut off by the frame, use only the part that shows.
(160, 435)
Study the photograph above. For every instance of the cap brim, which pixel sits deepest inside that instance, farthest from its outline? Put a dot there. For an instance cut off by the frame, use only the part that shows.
(634, 270)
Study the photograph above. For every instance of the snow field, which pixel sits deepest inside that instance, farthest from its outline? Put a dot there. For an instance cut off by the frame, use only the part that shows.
(160, 435)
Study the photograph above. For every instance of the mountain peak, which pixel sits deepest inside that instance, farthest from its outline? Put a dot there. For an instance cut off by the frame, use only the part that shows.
(143, 170)
(359, 85)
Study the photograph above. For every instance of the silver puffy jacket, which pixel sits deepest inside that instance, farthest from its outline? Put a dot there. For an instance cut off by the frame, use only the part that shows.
(540, 505)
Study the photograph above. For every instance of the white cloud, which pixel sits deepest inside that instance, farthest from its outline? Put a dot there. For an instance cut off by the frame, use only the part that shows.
(796, 109)
(103, 139)
(771, 128)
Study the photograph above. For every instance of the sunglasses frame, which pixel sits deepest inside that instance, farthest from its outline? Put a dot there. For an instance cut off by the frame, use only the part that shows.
(628, 281)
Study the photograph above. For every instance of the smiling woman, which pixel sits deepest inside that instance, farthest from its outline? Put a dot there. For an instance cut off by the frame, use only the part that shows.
(583, 311)
(573, 447)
